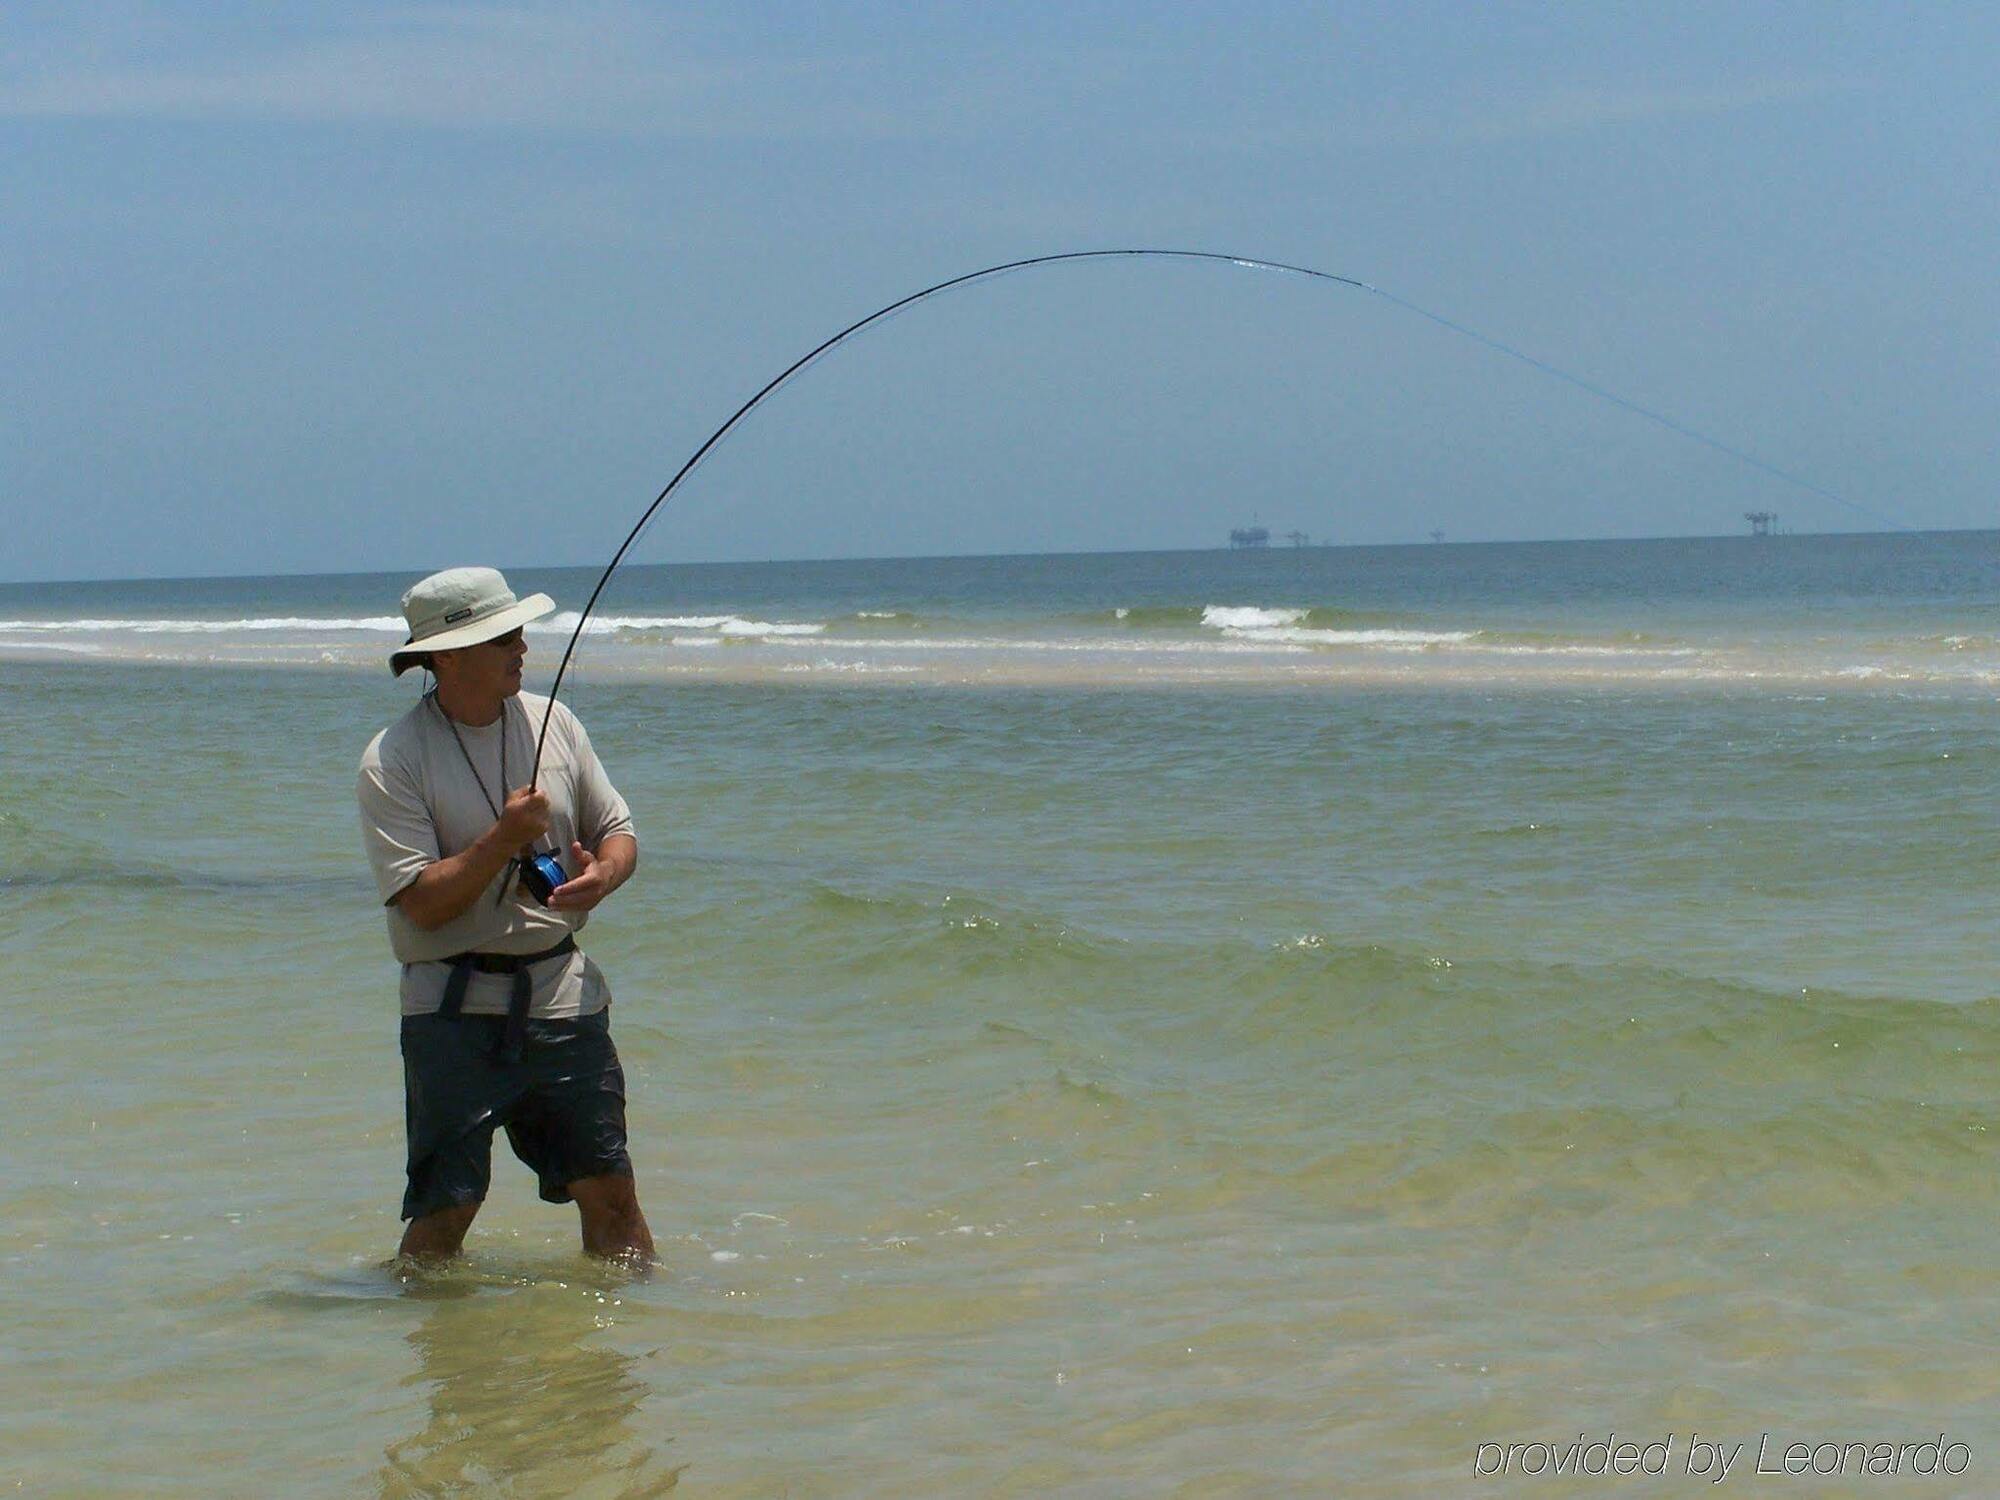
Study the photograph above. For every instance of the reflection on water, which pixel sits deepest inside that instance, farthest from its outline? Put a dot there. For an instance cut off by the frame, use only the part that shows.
(525, 1397)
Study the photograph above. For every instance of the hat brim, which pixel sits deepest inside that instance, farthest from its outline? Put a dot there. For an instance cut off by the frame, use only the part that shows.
(534, 607)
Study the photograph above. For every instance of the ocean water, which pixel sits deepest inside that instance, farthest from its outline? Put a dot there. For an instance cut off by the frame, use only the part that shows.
(1198, 1023)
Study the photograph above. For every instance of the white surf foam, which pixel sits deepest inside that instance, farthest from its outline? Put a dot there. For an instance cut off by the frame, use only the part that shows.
(381, 623)
(767, 628)
(730, 625)
(1279, 626)
(1395, 639)
(1102, 645)
(1249, 617)
(1636, 652)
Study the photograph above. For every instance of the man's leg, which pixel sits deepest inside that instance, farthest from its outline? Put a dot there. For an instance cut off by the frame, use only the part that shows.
(452, 1095)
(437, 1236)
(613, 1226)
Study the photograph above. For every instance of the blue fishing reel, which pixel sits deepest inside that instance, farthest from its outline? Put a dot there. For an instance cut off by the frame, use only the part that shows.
(541, 874)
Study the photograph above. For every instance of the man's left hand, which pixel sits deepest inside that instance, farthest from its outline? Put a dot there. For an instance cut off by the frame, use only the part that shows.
(589, 885)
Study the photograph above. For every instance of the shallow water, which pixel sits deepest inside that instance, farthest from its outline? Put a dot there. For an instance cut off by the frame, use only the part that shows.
(1097, 1087)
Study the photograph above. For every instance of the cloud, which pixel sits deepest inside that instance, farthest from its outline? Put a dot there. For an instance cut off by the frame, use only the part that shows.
(610, 66)
(1566, 110)
(604, 68)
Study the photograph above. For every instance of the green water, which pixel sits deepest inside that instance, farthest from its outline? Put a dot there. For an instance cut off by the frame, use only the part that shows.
(1088, 1090)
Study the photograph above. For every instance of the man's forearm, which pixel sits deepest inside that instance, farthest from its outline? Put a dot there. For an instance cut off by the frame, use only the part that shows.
(448, 887)
(619, 854)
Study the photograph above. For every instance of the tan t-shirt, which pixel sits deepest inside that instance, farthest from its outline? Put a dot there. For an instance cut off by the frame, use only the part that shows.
(421, 802)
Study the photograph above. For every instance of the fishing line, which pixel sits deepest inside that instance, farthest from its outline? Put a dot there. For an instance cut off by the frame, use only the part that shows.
(1244, 262)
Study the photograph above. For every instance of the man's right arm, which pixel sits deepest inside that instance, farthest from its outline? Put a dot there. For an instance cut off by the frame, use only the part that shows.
(447, 887)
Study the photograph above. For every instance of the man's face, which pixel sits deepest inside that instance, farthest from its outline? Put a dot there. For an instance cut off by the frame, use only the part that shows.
(489, 668)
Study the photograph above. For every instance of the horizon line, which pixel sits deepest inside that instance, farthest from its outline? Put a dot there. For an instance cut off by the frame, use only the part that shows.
(761, 562)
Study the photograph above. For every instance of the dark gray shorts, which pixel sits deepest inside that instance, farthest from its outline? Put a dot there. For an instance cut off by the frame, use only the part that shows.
(562, 1104)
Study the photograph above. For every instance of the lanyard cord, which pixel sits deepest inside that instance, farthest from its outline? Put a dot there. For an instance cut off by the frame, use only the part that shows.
(462, 750)
(507, 875)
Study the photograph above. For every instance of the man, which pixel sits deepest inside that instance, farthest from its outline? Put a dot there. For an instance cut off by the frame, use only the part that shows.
(504, 1019)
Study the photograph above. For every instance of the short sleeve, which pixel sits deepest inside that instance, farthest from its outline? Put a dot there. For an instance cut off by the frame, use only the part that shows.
(396, 826)
(600, 811)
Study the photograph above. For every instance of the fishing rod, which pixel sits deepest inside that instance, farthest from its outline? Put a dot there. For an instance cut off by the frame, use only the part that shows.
(1243, 262)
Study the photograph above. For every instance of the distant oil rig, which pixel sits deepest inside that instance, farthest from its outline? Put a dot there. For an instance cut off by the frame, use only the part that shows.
(1762, 522)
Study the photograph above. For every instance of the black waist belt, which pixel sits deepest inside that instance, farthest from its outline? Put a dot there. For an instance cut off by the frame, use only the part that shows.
(465, 965)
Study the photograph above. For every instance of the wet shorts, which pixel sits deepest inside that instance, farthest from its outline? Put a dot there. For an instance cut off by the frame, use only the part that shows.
(562, 1103)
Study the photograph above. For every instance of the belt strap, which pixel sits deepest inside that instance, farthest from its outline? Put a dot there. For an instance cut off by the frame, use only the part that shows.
(520, 994)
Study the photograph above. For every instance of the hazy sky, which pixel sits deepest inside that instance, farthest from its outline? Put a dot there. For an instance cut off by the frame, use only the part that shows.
(352, 287)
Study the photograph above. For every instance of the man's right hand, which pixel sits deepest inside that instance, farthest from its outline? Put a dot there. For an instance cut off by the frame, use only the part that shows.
(447, 887)
(525, 818)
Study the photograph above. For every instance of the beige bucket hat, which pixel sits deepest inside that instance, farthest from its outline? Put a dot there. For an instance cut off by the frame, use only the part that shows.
(462, 607)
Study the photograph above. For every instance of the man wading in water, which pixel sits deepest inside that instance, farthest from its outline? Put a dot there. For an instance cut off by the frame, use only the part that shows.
(505, 1021)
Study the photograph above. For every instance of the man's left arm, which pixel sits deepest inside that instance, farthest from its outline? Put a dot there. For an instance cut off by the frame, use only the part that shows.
(596, 875)
(603, 819)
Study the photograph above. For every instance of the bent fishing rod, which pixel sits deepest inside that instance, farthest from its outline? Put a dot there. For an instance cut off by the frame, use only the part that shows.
(1242, 262)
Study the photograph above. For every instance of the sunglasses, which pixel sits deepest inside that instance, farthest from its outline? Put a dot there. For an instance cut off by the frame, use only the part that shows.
(508, 641)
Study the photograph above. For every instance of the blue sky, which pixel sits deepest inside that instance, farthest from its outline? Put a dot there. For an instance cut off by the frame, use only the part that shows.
(354, 287)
